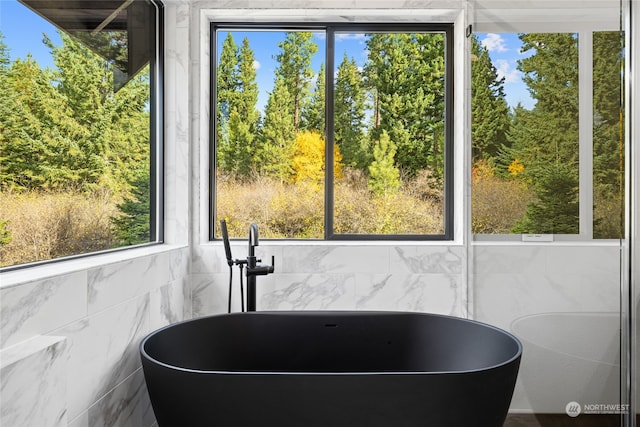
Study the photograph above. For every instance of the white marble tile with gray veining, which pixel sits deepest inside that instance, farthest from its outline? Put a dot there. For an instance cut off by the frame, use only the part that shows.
(509, 259)
(115, 283)
(431, 293)
(104, 351)
(38, 307)
(187, 298)
(33, 383)
(317, 6)
(179, 264)
(307, 292)
(335, 259)
(167, 304)
(210, 293)
(183, 10)
(127, 405)
(427, 259)
(212, 258)
(307, 259)
(600, 260)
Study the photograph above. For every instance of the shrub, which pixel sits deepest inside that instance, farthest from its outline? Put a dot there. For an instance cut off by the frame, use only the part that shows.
(497, 203)
(281, 210)
(358, 211)
(297, 211)
(51, 225)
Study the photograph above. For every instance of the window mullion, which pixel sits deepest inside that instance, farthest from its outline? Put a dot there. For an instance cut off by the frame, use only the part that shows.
(329, 136)
(585, 138)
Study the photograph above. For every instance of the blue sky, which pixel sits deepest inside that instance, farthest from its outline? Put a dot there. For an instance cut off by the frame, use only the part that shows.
(23, 33)
(504, 50)
(23, 29)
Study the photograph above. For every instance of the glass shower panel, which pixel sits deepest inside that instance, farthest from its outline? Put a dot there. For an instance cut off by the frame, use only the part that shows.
(547, 148)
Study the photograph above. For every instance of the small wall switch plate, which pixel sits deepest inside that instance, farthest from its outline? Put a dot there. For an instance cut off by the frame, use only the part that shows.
(537, 237)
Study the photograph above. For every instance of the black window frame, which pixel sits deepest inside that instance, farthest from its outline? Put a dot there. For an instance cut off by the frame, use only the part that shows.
(330, 30)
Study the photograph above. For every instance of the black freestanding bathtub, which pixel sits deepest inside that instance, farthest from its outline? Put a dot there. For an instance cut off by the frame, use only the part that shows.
(330, 369)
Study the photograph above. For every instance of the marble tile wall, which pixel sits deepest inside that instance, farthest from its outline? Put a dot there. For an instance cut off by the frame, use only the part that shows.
(563, 302)
(338, 277)
(69, 347)
(69, 341)
(69, 331)
(324, 275)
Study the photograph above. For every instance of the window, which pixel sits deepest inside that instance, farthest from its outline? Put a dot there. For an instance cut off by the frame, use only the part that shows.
(80, 139)
(371, 101)
(547, 135)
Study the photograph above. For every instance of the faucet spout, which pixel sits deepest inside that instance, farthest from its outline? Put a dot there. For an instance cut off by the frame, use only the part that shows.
(253, 269)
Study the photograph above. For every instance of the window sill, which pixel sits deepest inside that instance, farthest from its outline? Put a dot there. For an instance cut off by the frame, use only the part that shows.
(44, 270)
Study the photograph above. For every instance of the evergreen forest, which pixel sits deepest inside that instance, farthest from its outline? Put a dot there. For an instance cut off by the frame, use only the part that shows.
(74, 154)
(388, 129)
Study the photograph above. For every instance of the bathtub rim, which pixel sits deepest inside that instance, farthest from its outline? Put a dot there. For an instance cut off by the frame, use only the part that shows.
(514, 324)
(508, 361)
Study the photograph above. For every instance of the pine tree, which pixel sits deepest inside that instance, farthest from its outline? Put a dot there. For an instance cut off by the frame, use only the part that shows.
(241, 146)
(226, 86)
(556, 210)
(314, 111)
(405, 72)
(547, 135)
(608, 150)
(116, 127)
(132, 226)
(247, 86)
(551, 75)
(278, 133)
(38, 142)
(295, 70)
(489, 109)
(237, 117)
(349, 114)
(4, 53)
(226, 75)
(384, 177)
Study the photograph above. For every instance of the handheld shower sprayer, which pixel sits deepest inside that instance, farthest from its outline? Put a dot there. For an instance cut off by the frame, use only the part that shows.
(231, 262)
(225, 240)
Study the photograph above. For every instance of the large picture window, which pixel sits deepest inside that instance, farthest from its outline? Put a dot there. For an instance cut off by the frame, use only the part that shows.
(80, 128)
(332, 131)
(547, 136)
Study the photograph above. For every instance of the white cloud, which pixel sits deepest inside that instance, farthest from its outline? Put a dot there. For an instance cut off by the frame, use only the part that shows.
(256, 65)
(504, 69)
(494, 43)
(343, 36)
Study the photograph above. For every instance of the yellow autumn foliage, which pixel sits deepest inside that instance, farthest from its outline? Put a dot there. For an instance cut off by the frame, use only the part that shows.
(516, 167)
(308, 159)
